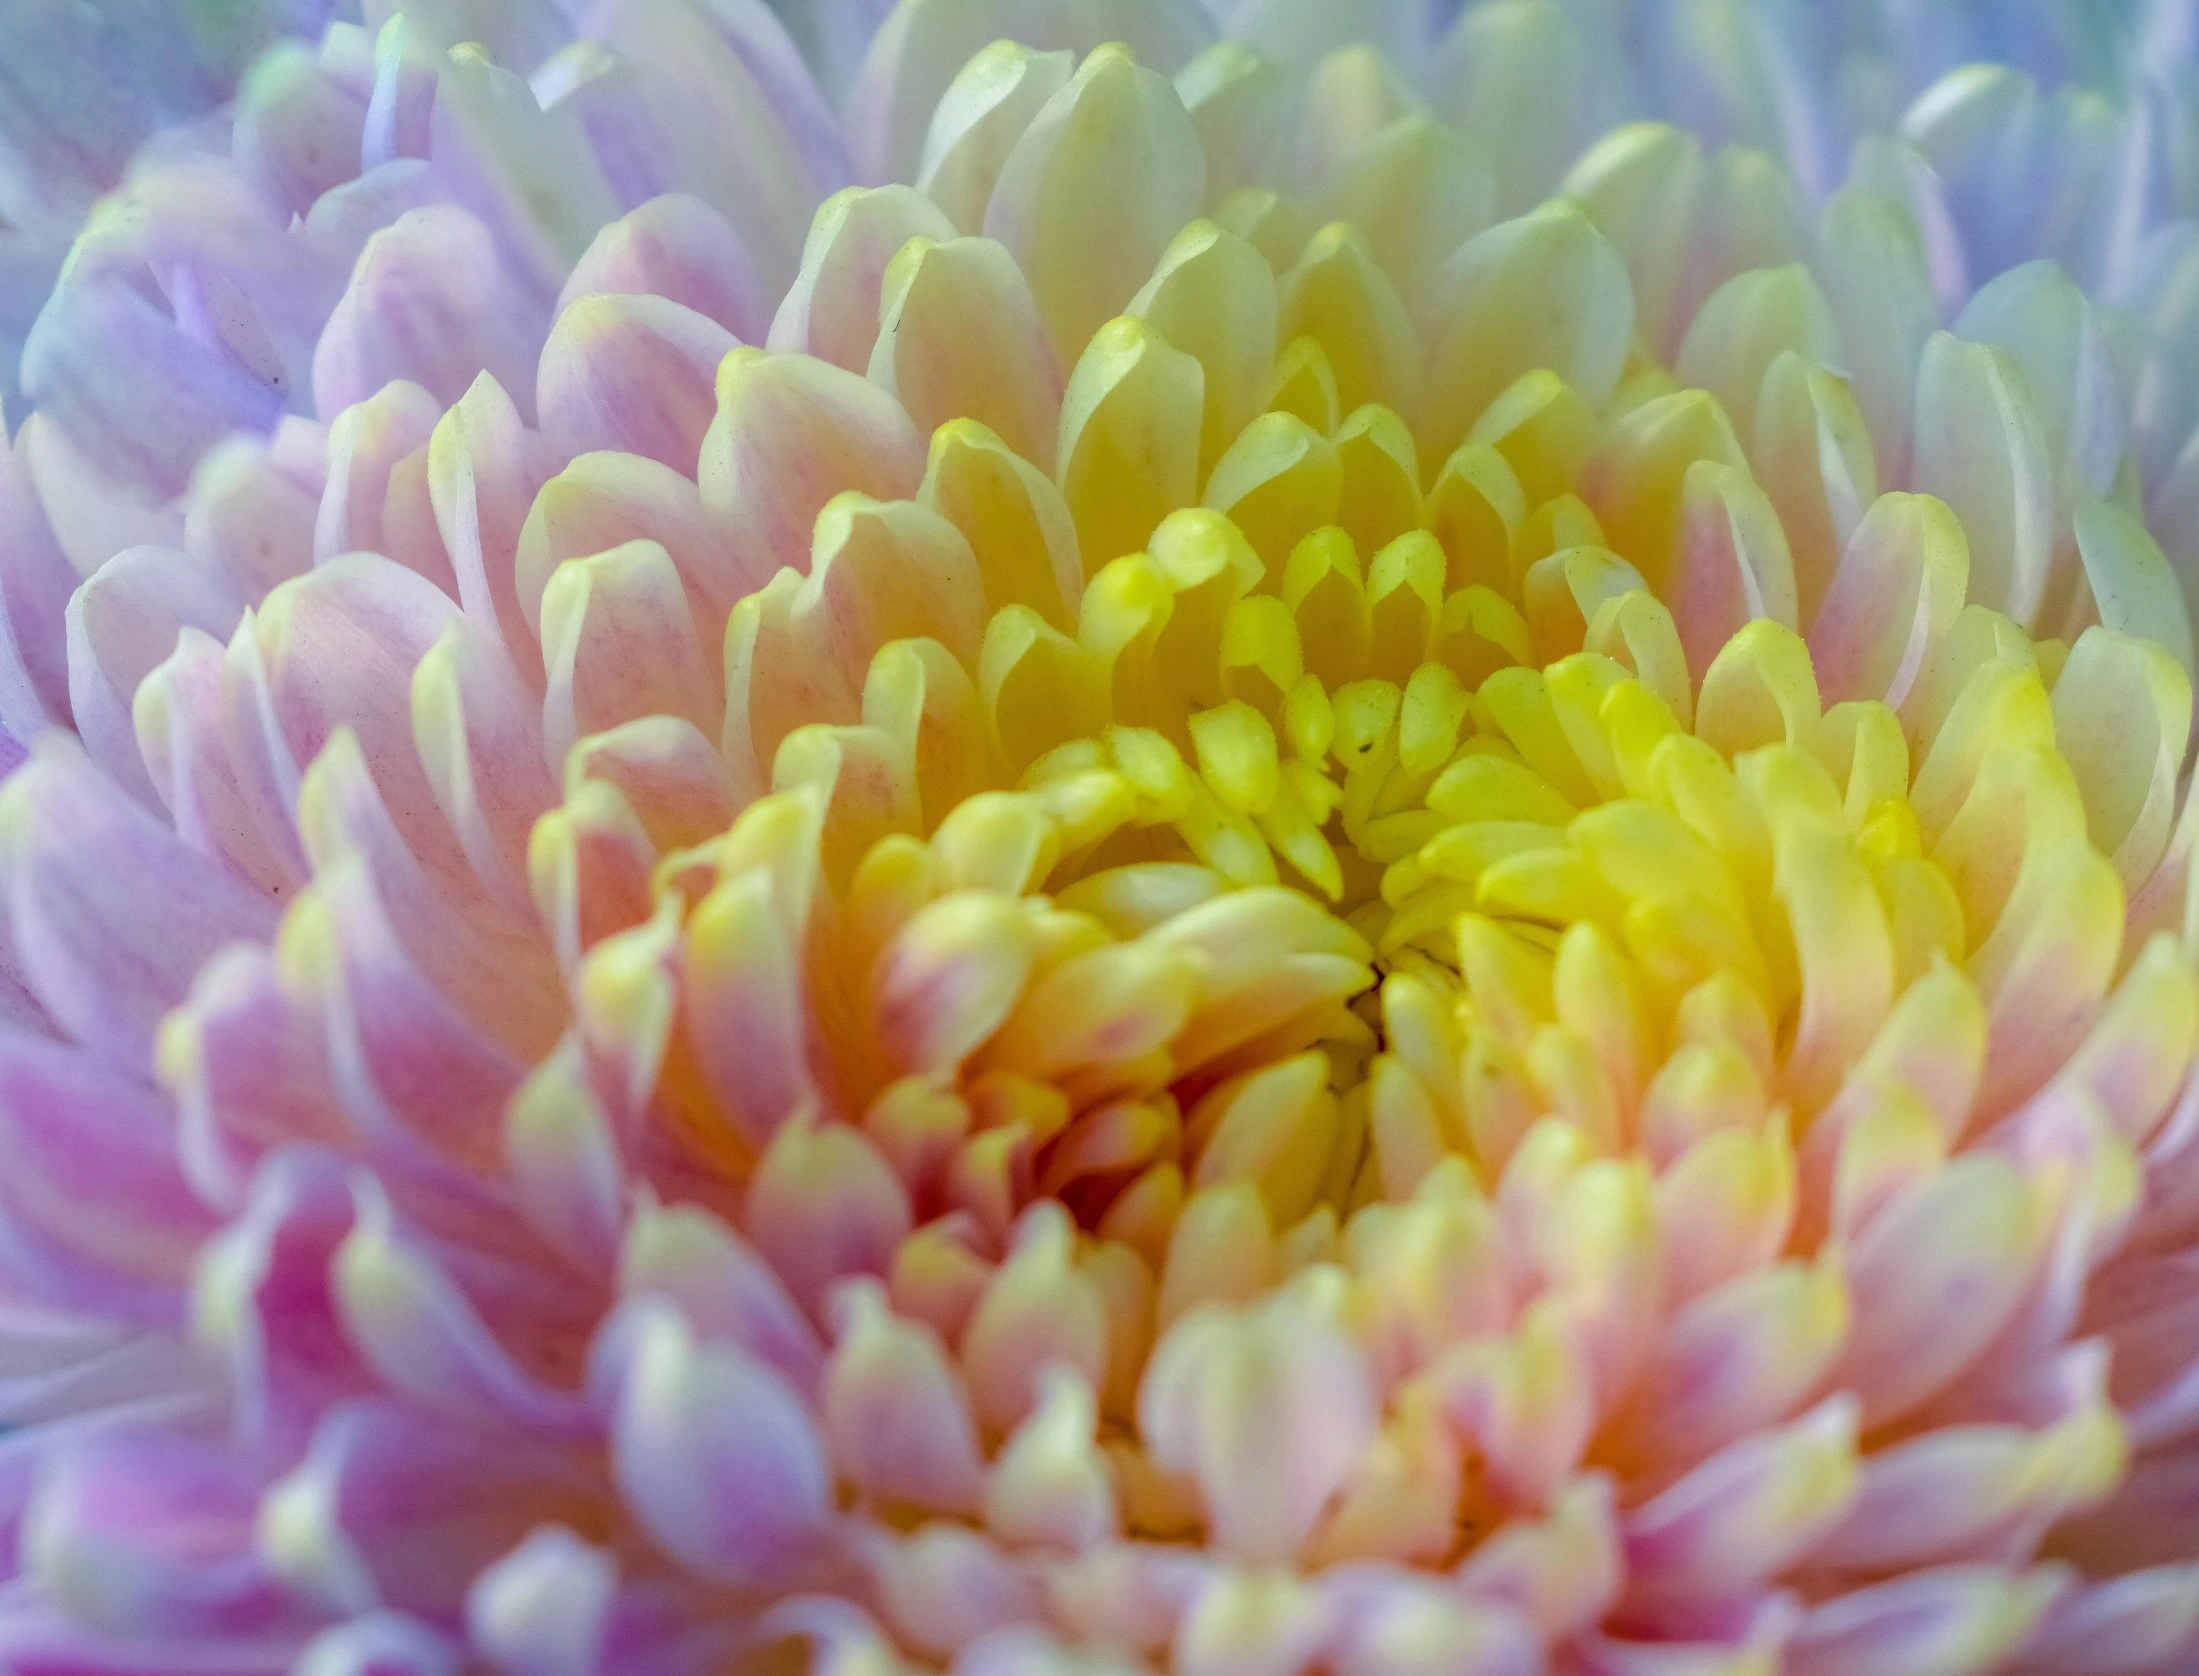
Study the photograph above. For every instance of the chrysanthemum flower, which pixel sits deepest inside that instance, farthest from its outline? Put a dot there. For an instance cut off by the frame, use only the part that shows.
(1215, 899)
(82, 88)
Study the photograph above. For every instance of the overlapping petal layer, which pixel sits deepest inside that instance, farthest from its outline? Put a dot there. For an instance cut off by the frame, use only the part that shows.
(1248, 918)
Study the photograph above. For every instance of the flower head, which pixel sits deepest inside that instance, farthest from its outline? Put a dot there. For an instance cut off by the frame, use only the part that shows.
(1210, 896)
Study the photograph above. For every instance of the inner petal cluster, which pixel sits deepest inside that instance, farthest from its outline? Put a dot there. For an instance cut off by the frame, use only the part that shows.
(1482, 1016)
(1226, 923)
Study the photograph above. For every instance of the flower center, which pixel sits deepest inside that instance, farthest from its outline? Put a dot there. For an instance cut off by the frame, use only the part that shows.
(1246, 855)
(1077, 874)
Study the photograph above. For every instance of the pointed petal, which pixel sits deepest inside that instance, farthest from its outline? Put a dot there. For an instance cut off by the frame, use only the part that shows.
(723, 1287)
(604, 500)
(825, 1205)
(1213, 297)
(919, 49)
(1982, 447)
(1746, 1513)
(678, 248)
(619, 643)
(633, 374)
(1934, 1277)
(1901, 580)
(1873, 269)
(714, 1452)
(365, 443)
(896, 1413)
(428, 302)
(544, 1608)
(427, 1338)
(960, 338)
(832, 310)
(484, 466)
(1099, 183)
(2039, 316)
(982, 114)
(96, 1215)
(1129, 454)
(103, 967)
(790, 434)
(392, 1506)
(1545, 290)
(121, 624)
(1267, 1409)
(1956, 1621)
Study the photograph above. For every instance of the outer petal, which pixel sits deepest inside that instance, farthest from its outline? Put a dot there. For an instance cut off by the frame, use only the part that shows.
(1099, 183)
(428, 302)
(789, 435)
(122, 623)
(1982, 448)
(102, 967)
(678, 248)
(95, 1214)
(920, 48)
(715, 1452)
(636, 374)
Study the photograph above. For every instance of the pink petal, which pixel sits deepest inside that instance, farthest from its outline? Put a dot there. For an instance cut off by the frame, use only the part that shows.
(896, 1413)
(1956, 1621)
(2118, 1627)
(253, 507)
(335, 647)
(393, 1505)
(484, 468)
(153, 1532)
(678, 248)
(567, 1171)
(944, 1585)
(619, 643)
(1748, 1512)
(715, 1453)
(790, 434)
(634, 374)
(746, 128)
(429, 302)
(669, 773)
(723, 1287)
(832, 309)
(1934, 1276)
(95, 1213)
(247, 1065)
(1732, 565)
(1267, 1410)
(1901, 579)
(104, 967)
(121, 624)
(478, 730)
(544, 1609)
(426, 1338)
(603, 500)
(365, 443)
(268, 1303)
(1741, 1356)
(1039, 1311)
(824, 1205)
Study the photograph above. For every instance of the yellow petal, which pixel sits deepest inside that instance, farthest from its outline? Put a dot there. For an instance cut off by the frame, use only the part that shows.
(1129, 452)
